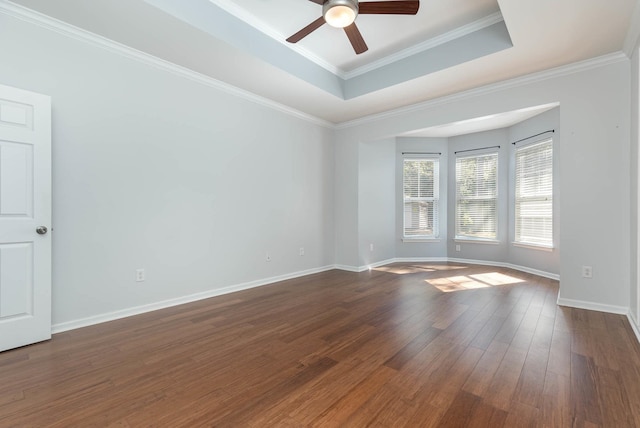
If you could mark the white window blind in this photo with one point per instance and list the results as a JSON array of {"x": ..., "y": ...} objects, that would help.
[
  {"x": 476, "y": 196},
  {"x": 534, "y": 194},
  {"x": 420, "y": 182}
]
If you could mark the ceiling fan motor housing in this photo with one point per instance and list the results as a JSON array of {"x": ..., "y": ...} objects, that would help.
[{"x": 340, "y": 13}]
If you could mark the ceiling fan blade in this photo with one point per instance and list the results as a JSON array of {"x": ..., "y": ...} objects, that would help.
[
  {"x": 389, "y": 7},
  {"x": 306, "y": 30},
  {"x": 318, "y": 1},
  {"x": 356, "y": 38}
]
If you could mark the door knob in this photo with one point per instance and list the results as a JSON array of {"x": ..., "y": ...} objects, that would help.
[{"x": 41, "y": 230}]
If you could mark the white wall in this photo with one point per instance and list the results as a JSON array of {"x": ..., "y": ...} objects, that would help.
[
  {"x": 376, "y": 201},
  {"x": 634, "y": 295},
  {"x": 593, "y": 169},
  {"x": 346, "y": 193},
  {"x": 594, "y": 177},
  {"x": 152, "y": 170}
]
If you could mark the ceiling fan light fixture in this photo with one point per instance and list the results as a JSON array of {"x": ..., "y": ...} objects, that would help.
[{"x": 340, "y": 13}]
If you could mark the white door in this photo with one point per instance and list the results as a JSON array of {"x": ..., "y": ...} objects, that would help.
[{"x": 25, "y": 217}]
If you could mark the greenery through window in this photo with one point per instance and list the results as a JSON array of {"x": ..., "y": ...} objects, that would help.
[
  {"x": 421, "y": 195},
  {"x": 477, "y": 196}
]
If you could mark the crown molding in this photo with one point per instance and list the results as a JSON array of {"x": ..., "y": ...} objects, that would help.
[
  {"x": 252, "y": 20},
  {"x": 49, "y": 23},
  {"x": 527, "y": 79},
  {"x": 426, "y": 45}
]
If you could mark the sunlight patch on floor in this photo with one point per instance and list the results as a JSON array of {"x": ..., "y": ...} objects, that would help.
[
  {"x": 495, "y": 278},
  {"x": 456, "y": 283},
  {"x": 471, "y": 282}
]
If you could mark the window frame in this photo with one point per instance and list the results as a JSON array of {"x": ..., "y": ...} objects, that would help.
[
  {"x": 519, "y": 242},
  {"x": 435, "y": 199},
  {"x": 458, "y": 236}
]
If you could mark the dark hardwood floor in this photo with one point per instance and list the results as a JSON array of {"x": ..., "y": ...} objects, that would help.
[{"x": 412, "y": 345}]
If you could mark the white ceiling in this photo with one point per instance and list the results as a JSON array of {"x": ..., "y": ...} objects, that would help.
[
  {"x": 240, "y": 42},
  {"x": 384, "y": 34}
]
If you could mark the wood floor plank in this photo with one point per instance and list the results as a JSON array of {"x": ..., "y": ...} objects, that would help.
[
  {"x": 505, "y": 380},
  {"x": 530, "y": 385},
  {"x": 484, "y": 416},
  {"x": 507, "y": 376},
  {"x": 377, "y": 408},
  {"x": 452, "y": 379},
  {"x": 337, "y": 413},
  {"x": 404, "y": 345},
  {"x": 559, "y": 361},
  {"x": 630, "y": 374},
  {"x": 479, "y": 380},
  {"x": 321, "y": 393},
  {"x": 410, "y": 350},
  {"x": 522, "y": 415},
  {"x": 614, "y": 401},
  {"x": 484, "y": 338},
  {"x": 461, "y": 410},
  {"x": 556, "y": 404},
  {"x": 585, "y": 404},
  {"x": 435, "y": 357},
  {"x": 270, "y": 397}
]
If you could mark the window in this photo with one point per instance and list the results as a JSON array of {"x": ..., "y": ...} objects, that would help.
[
  {"x": 476, "y": 196},
  {"x": 534, "y": 194},
  {"x": 420, "y": 181}
]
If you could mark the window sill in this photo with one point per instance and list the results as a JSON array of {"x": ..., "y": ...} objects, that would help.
[
  {"x": 428, "y": 240},
  {"x": 477, "y": 241},
  {"x": 533, "y": 246}
]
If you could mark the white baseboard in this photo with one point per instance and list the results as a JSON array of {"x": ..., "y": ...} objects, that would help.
[
  {"x": 449, "y": 259},
  {"x": 635, "y": 325},
  {"x": 420, "y": 260},
  {"x": 525, "y": 269},
  {"x": 364, "y": 268},
  {"x": 137, "y": 310},
  {"x": 377, "y": 264},
  {"x": 348, "y": 268},
  {"x": 592, "y": 306}
]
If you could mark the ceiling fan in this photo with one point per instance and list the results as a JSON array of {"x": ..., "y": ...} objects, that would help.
[{"x": 342, "y": 14}]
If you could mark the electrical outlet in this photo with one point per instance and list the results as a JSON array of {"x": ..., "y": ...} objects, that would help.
[
  {"x": 139, "y": 275},
  {"x": 301, "y": 251},
  {"x": 267, "y": 258},
  {"x": 457, "y": 247},
  {"x": 587, "y": 272},
  {"x": 370, "y": 247}
]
